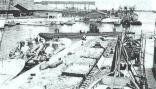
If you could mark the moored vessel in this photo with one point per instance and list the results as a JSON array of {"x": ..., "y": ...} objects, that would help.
[{"x": 69, "y": 23}]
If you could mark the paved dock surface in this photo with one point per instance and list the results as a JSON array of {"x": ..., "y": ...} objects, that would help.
[
  {"x": 150, "y": 79},
  {"x": 149, "y": 54},
  {"x": 16, "y": 83}
]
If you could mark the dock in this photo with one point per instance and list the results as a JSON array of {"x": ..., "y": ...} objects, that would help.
[
  {"x": 77, "y": 45},
  {"x": 149, "y": 61},
  {"x": 85, "y": 56}
]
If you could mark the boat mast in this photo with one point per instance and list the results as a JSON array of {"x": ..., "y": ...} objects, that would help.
[{"x": 3, "y": 31}]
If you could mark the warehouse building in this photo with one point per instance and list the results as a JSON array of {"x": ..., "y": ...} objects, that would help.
[{"x": 44, "y": 8}]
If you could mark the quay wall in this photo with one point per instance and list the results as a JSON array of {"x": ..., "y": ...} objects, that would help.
[
  {"x": 36, "y": 20},
  {"x": 149, "y": 53}
]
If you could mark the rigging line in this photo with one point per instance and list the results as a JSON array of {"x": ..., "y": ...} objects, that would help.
[
  {"x": 116, "y": 68},
  {"x": 133, "y": 77},
  {"x": 128, "y": 58},
  {"x": 117, "y": 63},
  {"x": 146, "y": 87},
  {"x": 115, "y": 71}
]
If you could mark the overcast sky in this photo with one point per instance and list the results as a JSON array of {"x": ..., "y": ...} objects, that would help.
[{"x": 108, "y": 4}]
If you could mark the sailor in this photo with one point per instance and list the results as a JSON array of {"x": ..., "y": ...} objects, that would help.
[
  {"x": 136, "y": 56},
  {"x": 39, "y": 56},
  {"x": 83, "y": 39},
  {"x": 30, "y": 44},
  {"x": 57, "y": 30},
  {"x": 40, "y": 39},
  {"x": 82, "y": 42},
  {"x": 21, "y": 44},
  {"x": 12, "y": 54},
  {"x": 111, "y": 51},
  {"x": 29, "y": 54},
  {"x": 49, "y": 51},
  {"x": 24, "y": 49},
  {"x": 36, "y": 40},
  {"x": 80, "y": 32},
  {"x": 17, "y": 54}
]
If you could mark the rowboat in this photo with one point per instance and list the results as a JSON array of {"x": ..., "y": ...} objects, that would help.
[
  {"x": 69, "y": 23},
  {"x": 10, "y": 23}
]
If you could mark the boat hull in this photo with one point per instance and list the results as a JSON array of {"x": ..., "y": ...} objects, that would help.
[
  {"x": 136, "y": 23},
  {"x": 75, "y": 35},
  {"x": 12, "y": 66}
]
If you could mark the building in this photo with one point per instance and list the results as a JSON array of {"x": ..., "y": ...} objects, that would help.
[
  {"x": 51, "y": 5},
  {"x": 46, "y": 14},
  {"x": 9, "y": 6},
  {"x": 29, "y": 7},
  {"x": 47, "y": 5},
  {"x": 96, "y": 14}
]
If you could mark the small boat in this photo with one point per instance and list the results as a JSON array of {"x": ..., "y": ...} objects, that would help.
[
  {"x": 125, "y": 23},
  {"x": 136, "y": 23},
  {"x": 52, "y": 23},
  {"x": 99, "y": 20},
  {"x": 117, "y": 24},
  {"x": 11, "y": 23},
  {"x": 61, "y": 23},
  {"x": 154, "y": 11},
  {"x": 56, "y": 23},
  {"x": 35, "y": 23},
  {"x": 111, "y": 20},
  {"x": 86, "y": 19},
  {"x": 69, "y": 23},
  {"x": 18, "y": 23},
  {"x": 39, "y": 52},
  {"x": 2, "y": 23}
]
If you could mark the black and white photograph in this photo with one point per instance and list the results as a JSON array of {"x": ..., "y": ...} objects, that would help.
[{"x": 77, "y": 44}]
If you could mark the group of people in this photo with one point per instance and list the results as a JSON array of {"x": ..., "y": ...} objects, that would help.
[{"x": 32, "y": 49}]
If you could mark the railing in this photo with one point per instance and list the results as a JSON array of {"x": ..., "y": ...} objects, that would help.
[{"x": 95, "y": 84}]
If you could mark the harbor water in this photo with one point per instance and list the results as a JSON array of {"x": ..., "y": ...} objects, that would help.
[{"x": 17, "y": 33}]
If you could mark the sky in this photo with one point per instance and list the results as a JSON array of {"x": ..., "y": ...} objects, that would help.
[{"x": 108, "y": 4}]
